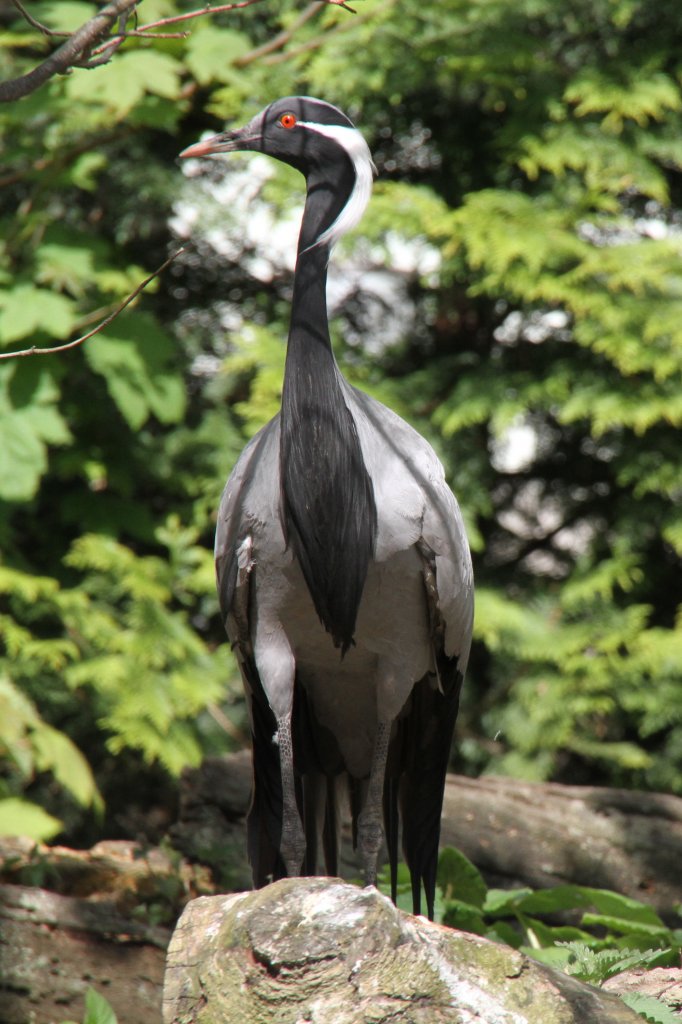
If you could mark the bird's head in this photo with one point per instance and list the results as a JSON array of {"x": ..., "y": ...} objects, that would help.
[{"x": 320, "y": 141}]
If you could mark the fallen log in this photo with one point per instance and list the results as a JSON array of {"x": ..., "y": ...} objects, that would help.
[
  {"x": 545, "y": 834},
  {"x": 517, "y": 833}
]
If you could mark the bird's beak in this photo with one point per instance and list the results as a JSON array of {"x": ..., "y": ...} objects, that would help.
[{"x": 226, "y": 142}]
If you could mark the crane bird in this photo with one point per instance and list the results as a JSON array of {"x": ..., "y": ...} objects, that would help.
[{"x": 343, "y": 568}]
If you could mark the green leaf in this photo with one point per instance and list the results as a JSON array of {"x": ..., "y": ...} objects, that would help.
[
  {"x": 63, "y": 15},
  {"x": 55, "y": 752},
  {"x": 503, "y": 902},
  {"x": 540, "y": 934},
  {"x": 641, "y": 97},
  {"x": 22, "y": 458},
  {"x": 554, "y": 900},
  {"x": 211, "y": 52},
  {"x": 651, "y": 1009},
  {"x": 29, "y": 421},
  {"x": 136, "y": 358},
  {"x": 66, "y": 267},
  {"x": 623, "y": 925},
  {"x": 623, "y": 908},
  {"x": 621, "y": 913},
  {"x": 119, "y": 85},
  {"x": 459, "y": 878},
  {"x": 86, "y": 169},
  {"x": 24, "y": 310},
  {"x": 22, "y": 818},
  {"x": 97, "y": 1009},
  {"x": 591, "y": 965},
  {"x": 554, "y": 956},
  {"x": 17, "y": 717},
  {"x": 464, "y": 916}
]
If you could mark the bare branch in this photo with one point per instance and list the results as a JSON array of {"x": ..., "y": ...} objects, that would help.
[
  {"x": 115, "y": 41},
  {"x": 315, "y": 44},
  {"x": 201, "y": 12},
  {"x": 282, "y": 38},
  {"x": 92, "y": 61},
  {"x": 35, "y": 351},
  {"x": 74, "y": 49}
]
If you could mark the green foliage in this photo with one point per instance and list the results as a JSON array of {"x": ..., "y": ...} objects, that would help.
[
  {"x": 613, "y": 933},
  {"x": 650, "y": 1009},
  {"x": 97, "y": 1009},
  {"x": 23, "y": 818},
  {"x": 127, "y": 642},
  {"x": 30, "y": 422},
  {"x": 29, "y": 746},
  {"x": 135, "y": 360}
]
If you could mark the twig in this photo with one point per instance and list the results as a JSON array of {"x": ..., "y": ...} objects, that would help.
[
  {"x": 35, "y": 351},
  {"x": 227, "y": 725},
  {"x": 120, "y": 37},
  {"x": 315, "y": 44},
  {"x": 282, "y": 38},
  {"x": 174, "y": 19},
  {"x": 35, "y": 23}
]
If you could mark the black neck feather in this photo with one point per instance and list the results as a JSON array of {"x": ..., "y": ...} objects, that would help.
[{"x": 327, "y": 497}]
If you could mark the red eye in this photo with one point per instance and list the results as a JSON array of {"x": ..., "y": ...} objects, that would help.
[{"x": 287, "y": 120}]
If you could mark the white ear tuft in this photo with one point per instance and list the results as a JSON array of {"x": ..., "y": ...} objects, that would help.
[{"x": 357, "y": 149}]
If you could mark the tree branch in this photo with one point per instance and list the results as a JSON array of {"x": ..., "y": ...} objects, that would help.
[
  {"x": 282, "y": 38},
  {"x": 175, "y": 19},
  {"x": 73, "y": 50},
  {"x": 79, "y": 51},
  {"x": 35, "y": 351}
]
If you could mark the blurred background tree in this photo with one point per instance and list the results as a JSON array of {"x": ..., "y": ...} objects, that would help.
[{"x": 515, "y": 290}]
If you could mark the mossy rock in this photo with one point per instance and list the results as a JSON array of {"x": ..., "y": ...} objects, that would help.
[{"x": 321, "y": 951}]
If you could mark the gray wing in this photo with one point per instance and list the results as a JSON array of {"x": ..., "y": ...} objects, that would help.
[
  {"x": 416, "y": 507},
  {"x": 237, "y": 513},
  {"x": 250, "y": 501}
]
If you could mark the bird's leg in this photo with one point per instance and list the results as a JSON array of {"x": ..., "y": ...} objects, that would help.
[
  {"x": 370, "y": 830},
  {"x": 292, "y": 844}
]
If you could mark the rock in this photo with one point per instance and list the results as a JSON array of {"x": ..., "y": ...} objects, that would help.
[
  {"x": 54, "y": 948},
  {"x": 664, "y": 983},
  {"x": 321, "y": 951}
]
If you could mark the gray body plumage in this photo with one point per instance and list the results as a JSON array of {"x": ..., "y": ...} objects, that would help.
[
  {"x": 393, "y": 646},
  {"x": 345, "y": 582}
]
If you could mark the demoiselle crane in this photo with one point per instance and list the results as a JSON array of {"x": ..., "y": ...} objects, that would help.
[{"x": 343, "y": 568}]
